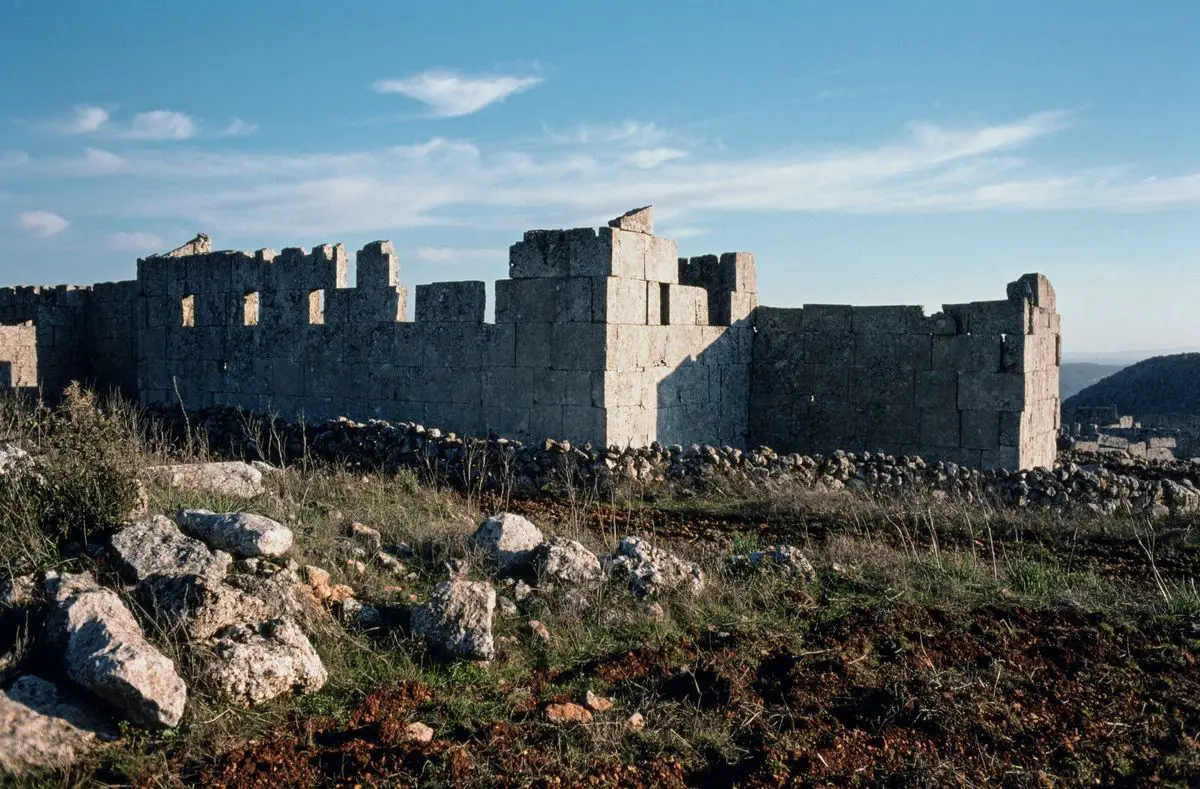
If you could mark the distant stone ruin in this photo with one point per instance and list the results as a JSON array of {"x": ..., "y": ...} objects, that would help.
[{"x": 603, "y": 336}]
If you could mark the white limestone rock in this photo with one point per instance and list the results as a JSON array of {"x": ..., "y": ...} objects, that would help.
[
  {"x": 243, "y": 534},
  {"x": 457, "y": 620},
  {"x": 18, "y": 592},
  {"x": 13, "y": 459},
  {"x": 156, "y": 547},
  {"x": 106, "y": 653},
  {"x": 508, "y": 539},
  {"x": 197, "y": 606},
  {"x": 651, "y": 571},
  {"x": 40, "y": 729},
  {"x": 785, "y": 558},
  {"x": 254, "y": 663},
  {"x": 228, "y": 478},
  {"x": 563, "y": 562}
]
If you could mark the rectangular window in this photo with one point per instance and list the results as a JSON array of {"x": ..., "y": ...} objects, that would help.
[
  {"x": 250, "y": 308},
  {"x": 187, "y": 306},
  {"x": 664, "y": 304},
  {"x": 316, "y": 307}
]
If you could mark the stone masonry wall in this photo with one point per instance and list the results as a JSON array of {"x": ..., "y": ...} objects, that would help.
[
  {"x": 975, "y": 384},
  {"x": 603, "y": 336}
]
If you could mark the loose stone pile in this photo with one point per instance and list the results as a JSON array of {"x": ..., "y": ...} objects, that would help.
[{"x": 1100, "y": 482}]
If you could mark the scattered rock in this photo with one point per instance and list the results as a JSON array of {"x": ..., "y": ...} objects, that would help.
[
  {"x": 356, "y": 566},
  {"x": 254, "y": 663},
  {"x": 507, "y": 607},
  {"x": 786, "y": 558},
  {"x": 106, "y": 653},
  {"x": 655, "y": 612},
  {"x": 416, "y": 732},
  {"x": 637, "y": 721},
  {"x": 597, "y": 703},
  {"x": 651, "y": 571},
  {"x": 371, "y": 539},
  {"x": 13, "y": 459},
  {"x": 40, "y": 729},
  {"x": 326, "y": 592},
  {"x": 522, "y": 591},
  {"x": 457, "y": 620},
  {"x": 539, "y": 630},
  {"x": 357, "y": 614},
  {"x": 230, "y": 478},
  {"x": 567, "y": 712},
  {"x": 156, "y": 547},
  {"x": 390, "y": 563},
  {"x": 560, "y": 561},
  {"x": 282, "y": 592},
  {"x": 508, "y": 540},
  {"x": 241, "y": 533},
  {"x": 198, "y": 606}
]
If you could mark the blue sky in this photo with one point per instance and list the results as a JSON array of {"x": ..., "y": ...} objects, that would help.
[{"x": 870, "y": 153}]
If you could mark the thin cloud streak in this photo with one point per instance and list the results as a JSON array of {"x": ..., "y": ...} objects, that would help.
[
  {"x": 449, "y": 94},
  {"x": 41, "y": 224},
  {"x": 447, "y": 182}
]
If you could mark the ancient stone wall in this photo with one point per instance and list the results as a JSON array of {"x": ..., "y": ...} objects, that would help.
[
  {"x": 603, "y": 336},
  {"x": 975, "y": 384}
]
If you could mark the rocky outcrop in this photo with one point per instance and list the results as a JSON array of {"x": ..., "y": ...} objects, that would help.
[
  {"x": 254, "y": 663},
  {"x": 457, "y": 620},
  {"x": 156, "y": 547},
  {"x": 105, "y": 652},
  {"x": 650, "y": 571},
  {"x": 40, "y": 729},
  {"x": 242, "y": 534},
  {"x": 508, "y": 540},
  {"x": 236, "y": 479}
]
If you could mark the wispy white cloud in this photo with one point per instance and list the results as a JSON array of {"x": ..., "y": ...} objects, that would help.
[
  {"x": 646, "y": 158},
  {"x": 238, "y": 128},
  {"x": 449, "y": 94},
  {"x": 133, "y": 242},
  {"x": 928, "y": 168},
  {"x": 160, "y": 125},
  {"x": 41, "y": 224},
  {"x": 455, "y": 255},
  {"x": 629, "y": 132},
  {"x": 83, "y": 120}
]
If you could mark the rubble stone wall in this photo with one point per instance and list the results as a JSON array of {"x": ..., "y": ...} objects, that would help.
[{"x": 976, "y": 384}]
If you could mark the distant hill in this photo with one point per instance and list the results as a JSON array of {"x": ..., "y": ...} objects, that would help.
[
  {"x": 1074, "y": 377},
  {"x": 1160, "y": 385}
]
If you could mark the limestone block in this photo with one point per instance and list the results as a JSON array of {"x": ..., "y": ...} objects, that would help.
[
  {"x": 152, "y": 275},
  {"x": 720, "y": 347},
  {"x": 998, "y": 317},
  {"x": 629, "y": 426},
  {"x": 584, "y": 424},
  {"x": 936, "y": 388},
  {"x": 914, "y": 352},
  {"x": 510, "y": 387},
  {"x": 991, "y": 391},
  {"x": 779, "y": 335},
  {"x": 828, "y": 347},
  {"x": 738, "y": 272},
  {"x": 967, "y": 353},
  {"x": 881, "y": 320},
  {"x": 459, "y": 344},
  {"x": 639, "y": 220},
  {"x": 451, "y": 301},
  {"x": 546, "y": 420},
  {"x": 629, "y": 252},
  {"x": 1000, "y": 457},
  {"x": 662, "y": 257},
  {"x": 506, "y": 421},
  {"x": 568, "y": 387},
  {"x": 618, "y": 300},
  {"x": 377, "y": 267},
  {"x": 874, "y": 349},
  {"x": 940, "y": 427},
  {"x": 533, "y": 344},
  {"x": 652, "y": 345},
  {"x": 883, "y": 385},
  {"x": 578, "y": 346},
  {"x": 980, "y": 429},
  {"x": 623, "y": 347},
  {"x": 686, "y": 306},
  {"x": 1010, "y": 429},
  {"x": 548, "y": 299},
  {"x": 622, "y": 389},
  {"x": 1034, "y": 288},
  {"x": 827, "y": 318}
]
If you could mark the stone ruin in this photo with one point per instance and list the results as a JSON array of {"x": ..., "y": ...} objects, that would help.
[{"x": 603, "y": 336}]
